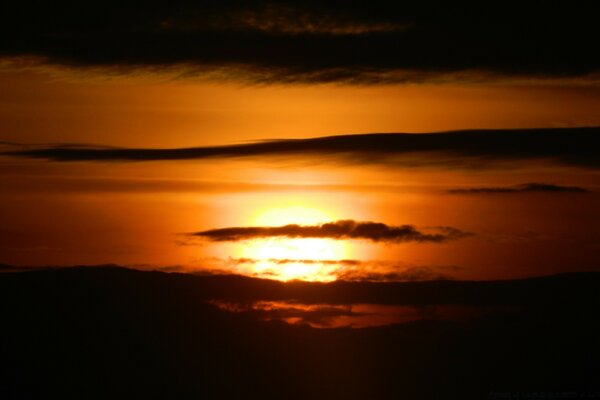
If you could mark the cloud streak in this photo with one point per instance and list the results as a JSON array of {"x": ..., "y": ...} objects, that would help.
[
  {"x": 463, "y": 149},
  {"x": 327, "y": 270},
  {"x": 284, "y": 261},
  {"x": 293, "y": 41},
  {"x": 522, "y": 188},
  {"x": 339, "y": 230},
  {"x": 346, "y": 315}
]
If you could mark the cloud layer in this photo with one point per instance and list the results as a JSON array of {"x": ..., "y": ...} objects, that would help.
[
  {"x": 522, "y": 188},
  {"x": 306, "y": 41},
  {"x": 345, "y": 229},
  {"x": 343, "y": 269},
  {"x": 465, "y": 149}
]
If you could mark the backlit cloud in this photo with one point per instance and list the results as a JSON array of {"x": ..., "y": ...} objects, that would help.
[
  {"x": 344, "y": 229},
  {"x": 522, "y": 188},
  {"x": 461, "y": 149}
]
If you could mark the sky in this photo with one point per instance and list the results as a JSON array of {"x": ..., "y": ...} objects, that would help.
[{"x": 301, "y": 140}]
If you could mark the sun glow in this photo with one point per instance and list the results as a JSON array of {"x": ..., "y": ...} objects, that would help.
[
  {"x": 310, "y": 259},
  {"x": 292, "y": 214}
]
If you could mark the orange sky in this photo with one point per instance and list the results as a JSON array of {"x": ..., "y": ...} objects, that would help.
[
  {"x": 135, "y": 213},
  {"x": 146, "y": 111}
]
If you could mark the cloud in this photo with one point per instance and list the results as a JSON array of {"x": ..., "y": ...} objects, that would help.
[
  {"x": 344, "y": 229},
  {"x": 327, "y": 270},
  {"x": 462, "y": 149},
  {"x": 522, "y": 188},
  {"x": 347, "y": 315},
  {"x": 298, "y": 41},
  {"x": 340, "y": 270},
  {"x": 319, "y": 315},
  {"x": 283, "y": 261},
  {"x": 378, "y": 272}
]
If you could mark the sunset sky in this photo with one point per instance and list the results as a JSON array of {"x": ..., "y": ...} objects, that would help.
[
  {"x": 235, "y": 137},
  {"x": 316, "y": 199}
]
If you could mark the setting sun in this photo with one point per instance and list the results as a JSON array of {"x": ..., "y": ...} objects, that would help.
[
  {"x": 289, "y": 259},
  {"x": 311, "y": 259}
]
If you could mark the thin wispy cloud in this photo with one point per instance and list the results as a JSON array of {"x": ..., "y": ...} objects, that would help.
[
  {"x": 377, "y": 272},
  {"x": 522, "y": 188},
  {"x": 339, "y": 230},
  {"x": 350, "y": 269},
  {"x": 284, "y": 261}
]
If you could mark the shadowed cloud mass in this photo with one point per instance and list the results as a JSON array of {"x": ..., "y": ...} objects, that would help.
[
  {"x": 344, "y": 316},
  {"x": 344, "y": 229},
  {"x": 161, "y": 335},
  {"x": 307, "y": 41},
  {"x": 464, "y": 149}
]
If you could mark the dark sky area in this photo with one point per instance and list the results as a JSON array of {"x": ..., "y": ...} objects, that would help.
[{"x": 311, "y": 41}]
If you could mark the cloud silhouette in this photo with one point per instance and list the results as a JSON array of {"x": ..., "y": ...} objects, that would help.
[
  {"x": 371, "y": 272},
  {"x": 297, "y": 41},
  {"x": 522, "y": 188},
  {"x": 464, "y": 149},
  {"x": 344, "y": 229},
  {"x": 348, "y": 315}
]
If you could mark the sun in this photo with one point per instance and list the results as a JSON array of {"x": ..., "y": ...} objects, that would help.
[
  {"x": 294, "y": 259},
  {"x": 310, "y": 259}
]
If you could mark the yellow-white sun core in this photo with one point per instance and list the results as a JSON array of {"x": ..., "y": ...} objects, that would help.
[{"x": 311, "y": 259}]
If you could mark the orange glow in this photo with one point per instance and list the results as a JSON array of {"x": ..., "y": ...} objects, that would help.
[
  {"x": 136, "y": 213},
  {"x": 293, "y": 213},
  {"x": 130, "y": 111},
  {"x": 292, "y": 259}
]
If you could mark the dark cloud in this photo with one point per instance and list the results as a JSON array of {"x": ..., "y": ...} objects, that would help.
[
  {"x": 523, "y": 188},
  {"x": 317, "y": 315},
  {"x": 154, "y": 336},
  {"x": 410, "y": 274},
  {"x": 308, "y": 41},
  {"x": 8, "y": 268},
  {"x": 464, "y": 149},
  {"x": 347, "y": 315},
  {"x": 246, "y": 289},
  {"x": 345, "y": 229}
]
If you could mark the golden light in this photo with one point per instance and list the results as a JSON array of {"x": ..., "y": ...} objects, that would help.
[
  {"x": 292, "y": 214},
  {"x": 310, "y": 259}
]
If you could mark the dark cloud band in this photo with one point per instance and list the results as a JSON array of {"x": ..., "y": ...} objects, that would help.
[
  {"x": 523, "y": 188},
  {"x": 345, "y": 229},
  {"x": 466, "y": 149},
  {"x": 307, "y": 41}
]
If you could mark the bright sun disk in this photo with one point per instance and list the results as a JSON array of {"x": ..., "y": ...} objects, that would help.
[{"x": 294, "y": 258}]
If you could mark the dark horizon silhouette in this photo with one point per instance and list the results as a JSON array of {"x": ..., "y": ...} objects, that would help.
[{"x": 101, "y": 332}]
